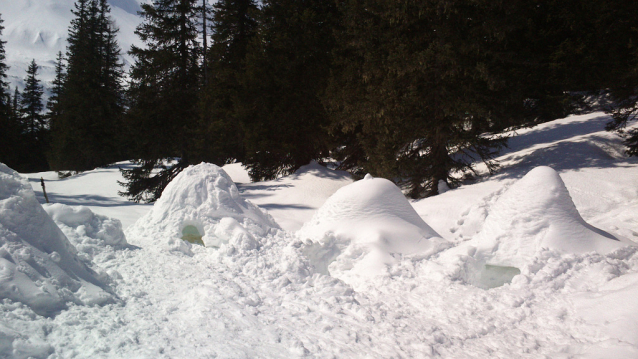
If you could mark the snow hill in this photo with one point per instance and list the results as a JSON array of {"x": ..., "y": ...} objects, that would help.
[
  {"x": 537, "y": 261},
  {"x": 37, "y": 29}
]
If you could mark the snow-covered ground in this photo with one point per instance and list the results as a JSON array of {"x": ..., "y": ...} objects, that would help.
[{"x": 536, "y": 261}]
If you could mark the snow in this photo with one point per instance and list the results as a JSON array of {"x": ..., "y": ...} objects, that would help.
[
  {"x": 97, "y": 190},
  {"x": 39, "y": 266},
  {"x": 537, "y": 213},
  {"x": 300, "y": 194},
  {"x": 362, "y": 227},
  {"x": 523, "y": 264},
  {"x": 204, "y": 198}
]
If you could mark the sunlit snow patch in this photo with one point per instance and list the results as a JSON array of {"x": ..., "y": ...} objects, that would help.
[
  {"x": 535, "y": 213},
  {"x": 365, "y": 226},
  {"x": 38, "y": 265},
  {"x": 202, "y": 205}
]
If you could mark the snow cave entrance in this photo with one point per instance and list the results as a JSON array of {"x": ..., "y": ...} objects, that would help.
[
  {"x": 493, "y": 276},
  {"x": 191, "y": 234}
]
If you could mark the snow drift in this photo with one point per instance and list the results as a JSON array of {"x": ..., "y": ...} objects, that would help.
[
  {"x": 203, "y": 204},
  {"x": 365, "y": 226},
  {"x": 38, "y": 265}
]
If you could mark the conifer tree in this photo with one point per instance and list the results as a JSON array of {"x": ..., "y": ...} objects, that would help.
[
  {"x": 615, "y": 44},
  {"x": 16, "y": 112},
  {"x": 31, "y": 103},
  {"x": 35, "y": 132},
  {"x": 163, "y": 95},
  {"x": 9, "y": 131},
  {"x": 233, "y": 26},
  {"x": 418, "y": 89},
  {"x": 287, "y": 67},
  {"x": 91, "y": 105},
  {"x": 13, "y": 151},
  {"x": 3, "y": 70},
  {"x": 53, "y": 104}
]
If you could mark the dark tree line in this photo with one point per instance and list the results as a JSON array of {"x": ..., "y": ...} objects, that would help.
[{"x": 414, "y": 91}]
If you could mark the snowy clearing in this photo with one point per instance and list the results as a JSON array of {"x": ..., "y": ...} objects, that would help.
[{"x": 533, "y": 262}]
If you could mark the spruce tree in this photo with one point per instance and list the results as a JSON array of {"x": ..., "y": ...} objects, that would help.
[
  {"x": 419, "y": 91},
  {"x": 233, "y": 26},
  {"x": 615, "y": 41},
  {"x": 91, "y": 102},
  {"x": 163, "y": 95},
  {"x": 53, "y": 104},
  {"x": 9, "y": 132},
  {"x": 286, "y": 72},
  {"x": 31, "y": 103},
  {"x": 3, "y": 70},
  {"x": 35, "y": 129},
  {"x": 16, "y": 113}
]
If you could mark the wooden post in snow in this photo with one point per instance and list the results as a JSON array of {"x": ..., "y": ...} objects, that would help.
[{"x": 44, "y": 190}]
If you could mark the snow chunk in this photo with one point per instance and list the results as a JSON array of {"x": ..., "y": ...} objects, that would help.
[
  {"x": 204, "y": 197},
  {"x": 38, "y": 265},
  {"x": 537, "y": 212},
  {"x": 95, "y": 237},
  {"x": 365, "y": 226},
  {"x": 99, "y": 230}
]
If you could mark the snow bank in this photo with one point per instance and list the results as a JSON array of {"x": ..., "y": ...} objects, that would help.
[
  {"x": 38, "y": 265},
  {"x": 365, "y": 226},
  {"x": 203, "y": 204}
]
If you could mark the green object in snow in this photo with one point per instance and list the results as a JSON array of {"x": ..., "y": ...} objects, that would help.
[{"x": 191, "y": 234}]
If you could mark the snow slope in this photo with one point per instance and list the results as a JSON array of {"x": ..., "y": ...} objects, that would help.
[
  {"x": 274, "y": 300},
  {"x": 96, "y": 190}
]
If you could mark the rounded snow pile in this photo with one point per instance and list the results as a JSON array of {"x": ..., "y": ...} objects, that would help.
[
  {"x": 365, "y": 226},
  {"x": 537, "y": 212},
  {"x": 38, "y": 265},
  {"x": 203, "y": 202}
]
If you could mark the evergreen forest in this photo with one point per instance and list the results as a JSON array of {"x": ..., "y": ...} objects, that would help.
[{"x": 416, "y": 91}]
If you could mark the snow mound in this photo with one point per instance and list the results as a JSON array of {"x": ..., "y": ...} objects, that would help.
[
  {"x": 537, "y": 213},
  {"x": 38, "y": 265},
  {"x": 365, "y": 226},
  {"x": 95, "y": 237},
  {"x": 84, "y": 223},
  {"x": 202, "y": 204}
]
